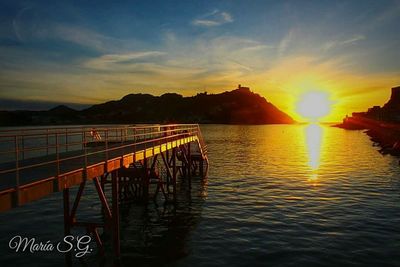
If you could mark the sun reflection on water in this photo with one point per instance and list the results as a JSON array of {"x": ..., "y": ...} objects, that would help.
[{"x": 313, "y": 134}]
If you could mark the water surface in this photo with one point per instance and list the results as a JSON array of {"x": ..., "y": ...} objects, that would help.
[{"x": 276, "y": 195}]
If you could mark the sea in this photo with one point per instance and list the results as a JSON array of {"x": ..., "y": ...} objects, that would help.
[{"x": 274, "y": 195}]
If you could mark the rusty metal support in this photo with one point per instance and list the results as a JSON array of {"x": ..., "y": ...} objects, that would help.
[
  {"x": 189, "y": 159},
  {"x": 70, "y": 219},
  {"x": 146, "y": 182},
  {"x": 153, "y": 164},
  {"x": 169, "y": 174},
  {"x": 184, "y": 160},
  {"x": 103, "y": 200},
  {"x": 77, "y": 200},
  {"x": 201, "y": 167},
  {"x": 98, "y": 240},
  {"x": 115, "y": 217},
  {"x": 174, "y": 173}
]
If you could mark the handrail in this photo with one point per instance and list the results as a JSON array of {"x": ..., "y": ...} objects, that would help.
[
  {"x": 202, "y": 144},
  {"x": 89, "y": 126},
  {"x": 101, "y": 132},
  {"x": 50, "y": 145}
]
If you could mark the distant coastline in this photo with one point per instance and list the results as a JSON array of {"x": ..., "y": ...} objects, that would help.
[
  {"x": 239, "y": 106},
  {"x": 382, "y": 124}
]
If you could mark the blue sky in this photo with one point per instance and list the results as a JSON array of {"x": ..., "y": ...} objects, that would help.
[{"x": 86, "y": 52}]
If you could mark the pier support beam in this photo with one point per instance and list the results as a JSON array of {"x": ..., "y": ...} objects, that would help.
[
  {"x": 168, "y": 170},
  {"x": 76, "y": 202},
  {"x": 201, "y": 168},
  {"x": 189, "y": 159},
  {"x": 174, "y": 173},
  {"x": 133, "y": 182},
  {"x": 146, "y": 182},
  {"x": 115, "y": 217}
]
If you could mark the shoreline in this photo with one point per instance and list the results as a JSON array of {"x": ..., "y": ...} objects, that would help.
[{"x": 384, "y": 134}]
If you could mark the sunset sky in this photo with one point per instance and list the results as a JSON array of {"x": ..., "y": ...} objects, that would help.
[{"x": 86, "y": 52}]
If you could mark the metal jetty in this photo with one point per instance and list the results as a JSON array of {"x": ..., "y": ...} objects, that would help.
[{"x": 132, "y": 160}]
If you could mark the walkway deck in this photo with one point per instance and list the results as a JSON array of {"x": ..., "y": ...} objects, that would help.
[{"x": 48, "y": 160}]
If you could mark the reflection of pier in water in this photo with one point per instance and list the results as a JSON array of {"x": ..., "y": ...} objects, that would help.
[
  {"x": 135, "y": 163},
  {"x": 158, "y": 233}
]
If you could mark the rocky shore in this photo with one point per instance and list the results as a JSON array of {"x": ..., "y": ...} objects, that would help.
[
  {"x": 383, "y": 134},
  {"x": 382, "y": 124}
]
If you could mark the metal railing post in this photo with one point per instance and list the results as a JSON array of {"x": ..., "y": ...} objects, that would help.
[
  {"x": 83, "y": 138},
  {"x": 16, "y": 170},
  {"x": 57, "y": 155},
  {"x": 47, "y": 142},
  {"x": 134, "y": 140},
  {"x": 152, "y": 137},
  {"x": 23, "y": 144},
  {"x": 106, "y": 141},
  {"x": 85, "y": 148},
  {"x": 66, "y": 139},
  {"x": 145, "y": 141}
]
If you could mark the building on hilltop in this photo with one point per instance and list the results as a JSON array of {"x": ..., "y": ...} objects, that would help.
[
  {"x": 243, "y": 89},
  {"x": 375, "y": 113}
]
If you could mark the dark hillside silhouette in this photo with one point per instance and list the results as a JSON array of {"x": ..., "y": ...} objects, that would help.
[{"x": 240, "y": 106}]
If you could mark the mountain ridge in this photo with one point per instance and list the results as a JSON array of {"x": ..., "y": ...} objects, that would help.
[{"x": 239, "y": 106}]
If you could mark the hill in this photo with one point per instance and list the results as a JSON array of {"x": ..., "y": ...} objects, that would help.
[{"x": 240, "y": 106}]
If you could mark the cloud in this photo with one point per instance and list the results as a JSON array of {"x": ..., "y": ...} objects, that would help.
[
  {"x": 199, "y": 57},
  {"x": 80, "y": 36},
  {"x": 30, "y": 25},
  {"x": 226, "y": 17},
  {"x": 284, "y": 43},
  {"x": 211, "y": 64},
  {"x": 26, "y": 31},
  {"x": 16, "y": 23},
  {"x": 350, "y": 41},
  {"x": 354, "y": 39},
  {"x": 108, "y": 61},
  {"x": 214, "y": 18}
]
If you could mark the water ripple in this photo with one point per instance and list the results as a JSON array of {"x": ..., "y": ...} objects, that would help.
[{"x": 268, "y": 202}]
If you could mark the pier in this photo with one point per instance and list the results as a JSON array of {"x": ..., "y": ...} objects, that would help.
[{"x": 128, "y": 163}]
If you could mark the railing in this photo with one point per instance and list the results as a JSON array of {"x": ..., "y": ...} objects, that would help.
[
  {"x": 203, "y": 146},
  {"x": 29, "y": 149}
]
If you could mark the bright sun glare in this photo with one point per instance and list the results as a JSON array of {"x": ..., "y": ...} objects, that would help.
[{"x": 314, "y": 105}]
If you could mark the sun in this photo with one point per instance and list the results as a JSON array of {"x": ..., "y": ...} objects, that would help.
[{"x": 313, "y": 106}]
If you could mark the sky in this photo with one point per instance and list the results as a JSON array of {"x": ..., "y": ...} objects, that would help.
[{"x": 86, "y": 52}]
